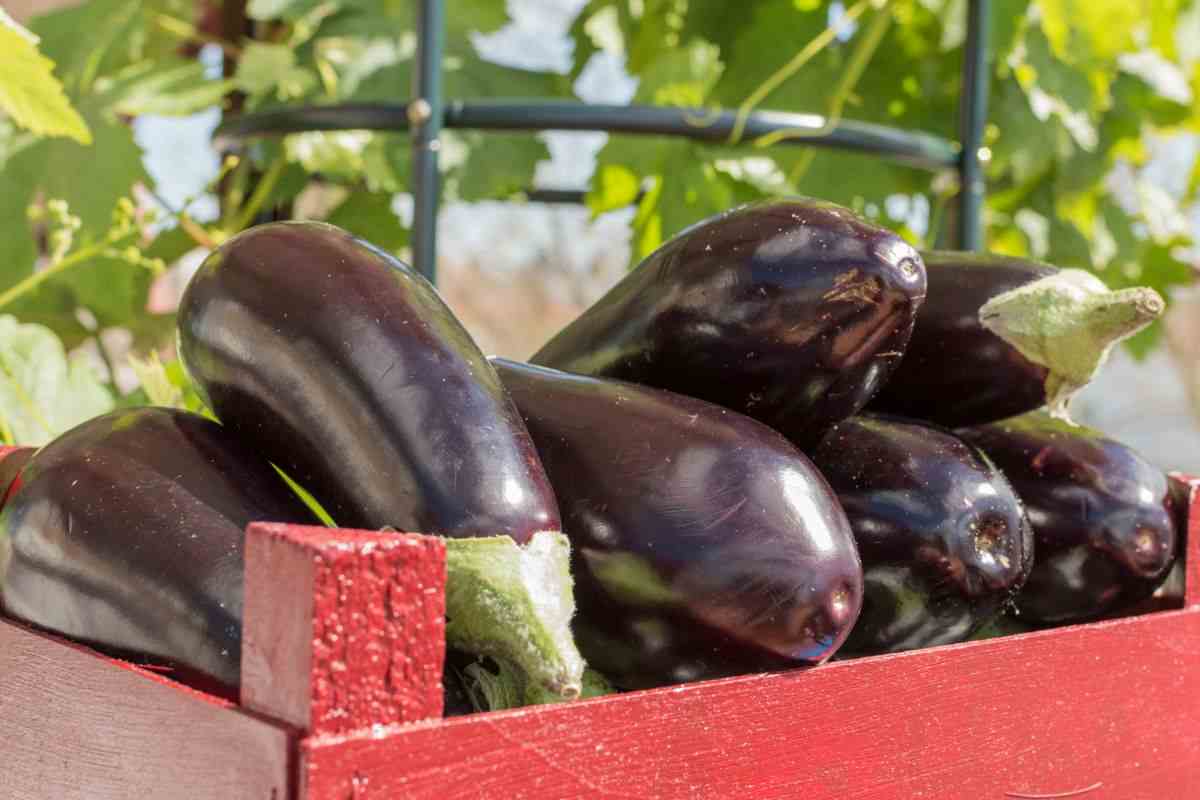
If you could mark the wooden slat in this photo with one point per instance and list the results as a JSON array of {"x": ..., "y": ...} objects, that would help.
[
  {"x": 343, "y": 630},
  {"x": 1107, "y": 711},
  {"x": 1191, "y": 594},
  {"x": 77, "y": 726},
  {"x": 1112, "y": 705}
]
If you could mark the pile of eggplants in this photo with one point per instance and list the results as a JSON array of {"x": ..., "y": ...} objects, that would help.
[{"x": 786, "y": 436}]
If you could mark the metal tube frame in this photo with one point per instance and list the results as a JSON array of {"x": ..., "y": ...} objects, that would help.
[{"x": 428, "y": 113}]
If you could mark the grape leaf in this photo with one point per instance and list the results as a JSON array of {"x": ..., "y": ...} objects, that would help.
[
  {"x": 42, "y": 393},
  {"x": 172, "y": 87},
  {"x": 91, "y": 180},
  {"x": 171, "y": 245},
  {"x": 271, "y": 69},
  {"x": 499, "y": 165},
  {"x": 614, "y": 186},
  {"x": 471, "y": 77},
  {"x": 681, "y": 77},
  {"x": 370, "y": 216},
  {"x": 280, "y": 9},
  {"x": 107, "y": 23},
  {"x": 31, "y": 95},
  {"x": 777, "y": 30},
  {"x": 387, "y": 160}
]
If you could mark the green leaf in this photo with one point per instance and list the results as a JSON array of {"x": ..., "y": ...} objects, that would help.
[
  {"x": 1080, "y": 29},
  {"x": 91, "y": 180},
  {"x": 271, "y": 69},
  {"x": 173, "y": 87},
  {"x": 370, "y": 216},
  {"x": 387, "y": 160},
  {"x": 279, "y": 9},
  {"x": 332, "y": 153},
  {"x": 614, "y": 186},
  {"x": 100, "y": 37},
  {"x": 86, "y": 40},
  {"x": 31, "y": 95},
  {"x": 42, "y": 393},
  {"x": 499, "y": 165},
  {"x": 471, "y": 77},
  {"x": 777, "y": 30},
  {"x": 168, "y": 384},
  {"x": 171, "y": 245},
  {"x": 682, "y": 76}
]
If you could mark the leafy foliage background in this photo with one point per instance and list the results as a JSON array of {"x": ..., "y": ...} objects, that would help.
[{"x": 1077, "y": 87}]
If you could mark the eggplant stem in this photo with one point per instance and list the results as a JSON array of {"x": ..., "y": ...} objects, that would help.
[
  {"x": 1068, "y": 323},
  {"x": 514, "y": 604}
]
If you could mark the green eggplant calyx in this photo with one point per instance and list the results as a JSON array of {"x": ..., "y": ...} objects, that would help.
[
  {"x": 505, "y": 688},
  {"x": 514, "y": 604},
  {"x": 1068, "y": 323}
]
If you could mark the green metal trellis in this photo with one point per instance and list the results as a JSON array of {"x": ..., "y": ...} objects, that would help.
[{"x": 428, "y": 112}]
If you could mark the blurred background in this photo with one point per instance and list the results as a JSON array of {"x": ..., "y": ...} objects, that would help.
[{"x": 1092, "y": 146}]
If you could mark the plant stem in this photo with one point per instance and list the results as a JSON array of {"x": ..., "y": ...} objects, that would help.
[
  {"x": 196, "y": 231},
  {"x": 186, "y": 30},
  {"x": 261, "y": 192},
  {"x": 806, "y": 54},
  {"x": 852, "y": 74},
  {"x": 31, "y": 282},
  {"x": 514, "y": 603}
]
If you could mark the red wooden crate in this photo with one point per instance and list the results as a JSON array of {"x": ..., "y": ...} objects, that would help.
[{"x": 341, "y": 700}]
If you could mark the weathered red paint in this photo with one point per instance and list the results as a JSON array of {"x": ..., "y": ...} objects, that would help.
[
  {"x": 1106, "y": 711},
  {"x": 1115, "y": 703},
  {"x": 78, "y": 726},
  {"x": 343, "y": 629},
  {"x": 1191, "y": 586}
]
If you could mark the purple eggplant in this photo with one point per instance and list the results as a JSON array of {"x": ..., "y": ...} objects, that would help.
[
  {"x": 703, "y": 543},
  {"x": 1058, "y": 326},
  {"x": 1102, "y": 516},
  {"x": 11, "y": 465},
  {"x": 943, "y": 539},
  {"x": 955, "y": 371},
  {"x": 345, "y": 368},
  {"x": 793, "y": 312},
  {"x": 127, "y": 533}
]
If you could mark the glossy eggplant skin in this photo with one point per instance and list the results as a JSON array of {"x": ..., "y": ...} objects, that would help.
[
  {"x": 703, "y": 543},
  {"x": 10, "y": 466},
  {"x": 793, "y": 312},
  {"x": 1103, "y": 518},
  {"x": 127, "y": 533},
  {"x": 347, "y": 370},
  {"x": 943, "y": 538},
  {"x": 956, "y": 372}
]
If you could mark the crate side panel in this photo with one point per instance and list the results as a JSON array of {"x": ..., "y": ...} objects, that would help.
[
  {"x": 1108, "y": 711},
  {"x": 77, "y": 726}
]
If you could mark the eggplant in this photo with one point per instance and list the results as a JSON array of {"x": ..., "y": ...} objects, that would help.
[
  {"x": 1103, "y": 517},
  {"x": 11, "y": 465},
  {"x": 1171, "y": 593},
  {"x": 703, "y": 543},
  {"x": 793, "y": 312},
  {"x": 127, "y": 533},
  {"x": 943, "y": 538},
  {"x": 345, "y": 368},
  {"x": 999, "y": 336}
]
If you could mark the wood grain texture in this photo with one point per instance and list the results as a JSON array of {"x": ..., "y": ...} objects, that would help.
[
  {"x": 1107, "y": 710},
  {"x": 343, "y": 629},
  {"x": 1114, "y": 704},
  {"x": 1191, "y": 593},
  {"x": 78, "y": 726}
]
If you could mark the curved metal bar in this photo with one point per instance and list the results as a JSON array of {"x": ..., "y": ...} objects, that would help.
[{"x": 913, "y": 148}]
